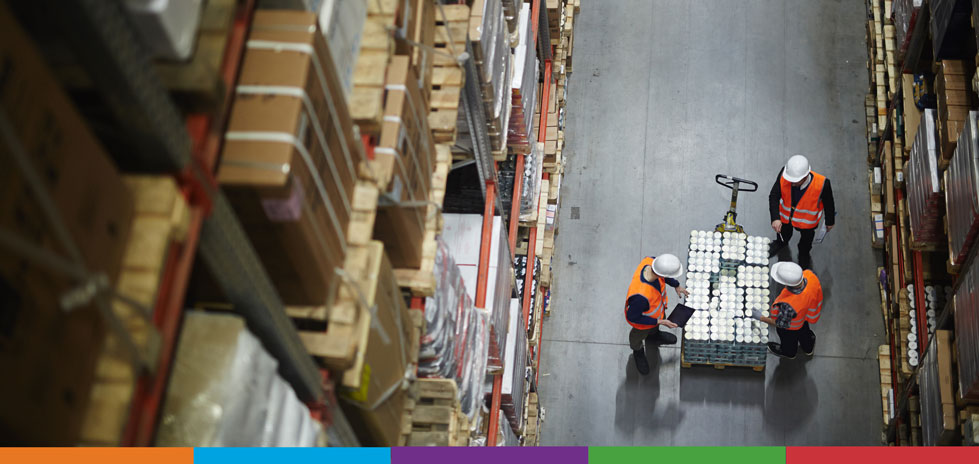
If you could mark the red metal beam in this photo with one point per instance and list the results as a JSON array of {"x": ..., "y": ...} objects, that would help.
[
  {"x": 484, "y": 246},
  {"x": 534, "y": 20},
  {"x": 206, "y": 131},
  {"x": 515, "y": 207},
  {"x": 494, "y": 418}
]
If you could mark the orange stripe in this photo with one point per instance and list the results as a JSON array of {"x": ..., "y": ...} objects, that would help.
[{"x": 97, "y": 455}]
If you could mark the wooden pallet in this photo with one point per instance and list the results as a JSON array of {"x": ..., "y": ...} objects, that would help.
[
  {"x": 532, "y": 419},
  {"x": 433, "y": 416},
  {"x": 448, "y": 78},
  {"x": 160, "y": 221},
  {"x": 366, "y": 99},
  {"x": 421, "y": 281},
  {"x": 884, "y": 362},
  {"x": 720, "y": 366}
]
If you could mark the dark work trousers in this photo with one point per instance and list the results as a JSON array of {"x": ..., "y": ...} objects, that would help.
[
  {"x": 805, "y": 240},
  {"x": 791, "y": 340}
]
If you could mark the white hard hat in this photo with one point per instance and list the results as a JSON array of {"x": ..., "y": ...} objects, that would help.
[
  {"x": 667, "y": 266},
  {"x": 796, "y": 168},
  {"x": 787, "y": 273}
]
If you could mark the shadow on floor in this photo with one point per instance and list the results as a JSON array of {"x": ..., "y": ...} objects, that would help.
[
  {"x": 738, "y": 385},
  {"x": 637, "y": 395},
  {"x": 791, "y": 396}
]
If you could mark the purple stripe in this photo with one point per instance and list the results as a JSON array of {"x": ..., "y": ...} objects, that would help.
[{"x": 485, "y": 455}]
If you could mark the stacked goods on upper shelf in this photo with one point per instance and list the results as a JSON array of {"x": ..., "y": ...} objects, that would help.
[
  {"x": 448, "y": 78},
  {"x": 938, "y": 420},
  {"x": 952, "y": 88},
  {"x": 878, "y": 68},
  {"x": 966, "y": 303},
  {"x": 343, "y": 25},
  {"x": 224, "y": 391},
  {"x": 950, "y": 28},
  {"x": 410, "y": 19},
  {"x": 462, "y": 236},
  {"x": 530, "y": 189},
  {"x": 886, "y": 386},
  {"x": 554, "y": 135},
  {"x": 905, "y": 17},
  {"x": 49, "y": 351},
  {"x": 454, "y": 345},
  {"x": 962, "y": 193},
  {"x": 526, "y": 71},
  {"x": 555, "y": 19},
  {"x": 514, "y": 369},
  {"x": 491, "y": 49},
  {"x": 375, "y": 407},
  {"x": 924, "y": 190},
  {"x": 290, "y": 160},
  {"x": 405, "y": 160}
]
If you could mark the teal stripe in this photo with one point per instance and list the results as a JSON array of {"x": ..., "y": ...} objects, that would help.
[
  {"x": 288, "y": 455},
  {"x": 686, "y": 455}
]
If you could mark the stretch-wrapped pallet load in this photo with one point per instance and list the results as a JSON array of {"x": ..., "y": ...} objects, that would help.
[
  {"x": 342, "y": 23},
  {"x": 290, "y": 158},
  {"x": 938, "y": 419},
  {"x": 454, "y": 345},
  {"x": 491, "y": 46},
  {"x": 224, "y": 391},
  {"x": 905, "y": 17},
  {"x": 526, "y": 70},
  {"x": 924, "y": 189},
  {"x": 462, "y": 233},
  {"x": 967, "y": 334},
  {"x": 514, "y": 370},
  {"x": 530, "y": 188},
  {"x": 962, "y": 192}
]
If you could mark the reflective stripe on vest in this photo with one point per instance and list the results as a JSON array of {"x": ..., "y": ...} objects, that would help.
[
  {"x": 809, "y": 210},
  {"x": 657, "y": 300},
  {"x": 808, "y": 305}
]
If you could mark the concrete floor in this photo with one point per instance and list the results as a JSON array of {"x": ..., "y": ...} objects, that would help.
[{"x": 665, "y": 94}]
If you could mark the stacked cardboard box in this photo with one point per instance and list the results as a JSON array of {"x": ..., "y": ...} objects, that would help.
[
  {"x": 50, "y": 353},
  {"x": 905, "y": 17},
  {"x": 374, "y": 409},
  {"x": 291, "y": 160},
  {"x": 952, "y": 87},
  {"x": 405, "y": 161}
]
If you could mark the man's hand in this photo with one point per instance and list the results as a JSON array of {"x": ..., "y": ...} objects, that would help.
[
  {"x": 668, "y": 324},
  {"x": 756, "y": 314},
  {"x": 777, "y": 226},
  {"x": 681, "y": 291},
  {"x": 829, "y": 228}
]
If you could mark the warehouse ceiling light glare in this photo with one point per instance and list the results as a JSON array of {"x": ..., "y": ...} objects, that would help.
[
  {"x": 796, "y": 168},
  {"x": 667, "y": 266}
]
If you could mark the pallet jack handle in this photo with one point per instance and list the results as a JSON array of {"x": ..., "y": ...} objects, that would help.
[{"x": 733, "y": 183}]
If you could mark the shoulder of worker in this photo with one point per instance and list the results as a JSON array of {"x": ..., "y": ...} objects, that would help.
[{"x": 652, "y": 280}]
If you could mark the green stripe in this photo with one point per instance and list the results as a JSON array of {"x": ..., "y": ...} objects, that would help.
[{"x": 686, "y": 455}]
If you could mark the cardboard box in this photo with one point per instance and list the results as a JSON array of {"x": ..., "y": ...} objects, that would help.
[
  {"x": 406, "y": 151},
  {"x": 379, "y": 402},
  {"x": 290, "y": 159},
  {"x": 944, "y": 345},
  {"x": 50, "y": 354}
]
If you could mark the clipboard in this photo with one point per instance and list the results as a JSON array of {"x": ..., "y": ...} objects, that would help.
[{"x": 681, "y": 314}]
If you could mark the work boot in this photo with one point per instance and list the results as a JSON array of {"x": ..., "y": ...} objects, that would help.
[
  {"x": 776, "y": 349},
  {"x": 775, "y": 247},
  {"x": 658, "y": 337},
  {"x": 805, "y": 261},
  {"x": 642, "y": 365}
]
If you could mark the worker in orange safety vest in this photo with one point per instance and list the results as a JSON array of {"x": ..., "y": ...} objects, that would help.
[
  {"x": 799, "y": 199},
  {"x": 645, "y": 306},
  {"x": 798, "y": 306}
]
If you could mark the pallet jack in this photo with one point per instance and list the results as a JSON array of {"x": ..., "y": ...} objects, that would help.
[{"x": 734, "y": 183}]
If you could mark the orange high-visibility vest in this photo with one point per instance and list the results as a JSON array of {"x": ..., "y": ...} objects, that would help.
[
  {"x": 807, "y": 305},
  {"x": 657, "y": 299},
  {"x": 809, "y": 210}
]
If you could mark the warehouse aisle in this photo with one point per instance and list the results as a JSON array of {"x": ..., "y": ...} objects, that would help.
[{"x": 664, "y": 95}]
